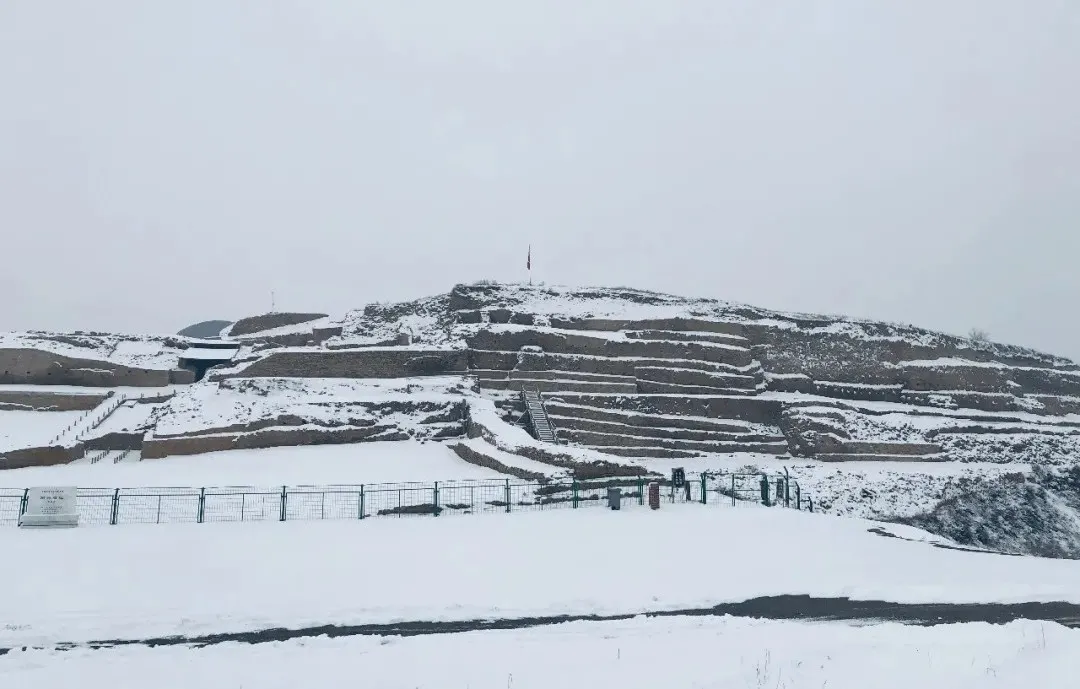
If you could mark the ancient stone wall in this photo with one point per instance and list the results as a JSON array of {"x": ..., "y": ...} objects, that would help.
[
  {"x": 155, "y": 448},
  {"x": 39, "y": 456},
  {"x": 116, "y": 441},
  {"x": 37, "y": 367},
  {"x": 269, "y": 321},
  {"x": 359, "y": 363},
  {"x": 753, "y": 409},
  {"x": 48, "y": 401}
]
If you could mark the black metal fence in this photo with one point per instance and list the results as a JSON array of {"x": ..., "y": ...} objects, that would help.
[{"x": 104, "y": 506}]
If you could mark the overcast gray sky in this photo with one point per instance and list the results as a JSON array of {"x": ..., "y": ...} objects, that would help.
[{"x": 167, "y": 162}]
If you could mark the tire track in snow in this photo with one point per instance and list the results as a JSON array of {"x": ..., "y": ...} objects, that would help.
[{"x": 792, "y": 608}]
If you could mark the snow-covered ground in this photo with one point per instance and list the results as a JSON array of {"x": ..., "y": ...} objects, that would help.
[
  {"x": 676, "y": 653},
  {"x": 22, "y": 429},
  {"x": 138, "y": 351},
  {"x": 135, "y": 582},
  {"x": 377, "y": 462},
  {"x": 210, "y": 405}
]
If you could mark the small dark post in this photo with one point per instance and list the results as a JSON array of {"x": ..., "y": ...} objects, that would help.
[
  {"x": 764, "y": 490},
  {"x": 284, "y": 503},
  {"x": 202, "y": 505},
  {"x": 115, "y": 507},
  {"x": 654, "y": 495}
]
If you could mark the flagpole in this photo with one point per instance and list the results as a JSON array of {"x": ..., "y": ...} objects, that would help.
[{"x": 528, "y": 265}]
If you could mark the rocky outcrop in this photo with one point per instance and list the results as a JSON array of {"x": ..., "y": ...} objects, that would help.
[{"x": 1032, "y": 514}]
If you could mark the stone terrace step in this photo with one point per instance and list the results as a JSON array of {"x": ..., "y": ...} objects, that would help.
[
  {"x": 887, "y": 448},
  {"x": 653, "y": 452},
  {"x": 574, "y": 423},
  {"x": 675, "y": 324},
  {"x": 609, "y": 365},
  {"x": 719, "y": 448},
  {"x": 851, "y": 457},
  {"x": 759, "y": 443},
  {"x": 653, "y": 387},
  {"x": 754, "y": 409},
  {"x": 642, "y": 420},
  {"x": 586, "y": 344},
  {"x": 687, "y": 336},
  {"x": 514, "y": 374},
  {"x": 693, "y": 377},
  {"x": 572, "y": 375},
  {"x": 593, "y": 426},
  {"x": 552, "y": 386}
]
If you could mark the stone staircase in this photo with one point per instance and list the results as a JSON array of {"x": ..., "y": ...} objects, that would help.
[
  {"x": 89, "y": 421},
  {"x": 538, "y": 417}
]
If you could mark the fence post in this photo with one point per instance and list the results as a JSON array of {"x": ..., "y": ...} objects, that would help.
[
  {"x": 436, "y": 495},
  {"x": 361, "y": 510},
  {"x": 798, "y": 497},
  {"x": 574, "y": 493},
  {"x": 115, "y": 507},
  {"x": 202, "y": 505},
  {"x": 508, "y": 495},
  {"x": 704, "y": 483},
  {"x": 25, "y": 500},
  {"x": 733, "y": 490},
  {"x": 284, "y": 499},
  {"x": 640, "y": 490}
]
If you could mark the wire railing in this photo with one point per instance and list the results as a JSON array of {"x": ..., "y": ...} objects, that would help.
[{"x": 162, "y": 505}]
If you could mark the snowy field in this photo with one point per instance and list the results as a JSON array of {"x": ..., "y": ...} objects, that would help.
[
  {"x": 21, "y": 429},
  {"x": 212, "y": 405},
  {"x": 138, "y": 582},
  {"x": 676, "y": 653},
  {"x": 377, "y": 462}
]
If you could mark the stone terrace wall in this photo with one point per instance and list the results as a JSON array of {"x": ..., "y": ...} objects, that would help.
[
  {"x": 47, "y": 401},
  {"x": 269, "y": 321},
  {"x": 842, "y": 357},
  {"x": 752, "y": 409},
  {"x": 359, "y": 363},
  {"x": 37, "y": 367},
  {"x": 39, "y": 456}
]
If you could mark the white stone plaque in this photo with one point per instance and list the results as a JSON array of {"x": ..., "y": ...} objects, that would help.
[{"x": 49, "y": 507}]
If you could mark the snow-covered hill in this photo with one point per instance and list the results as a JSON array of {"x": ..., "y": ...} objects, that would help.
[{"x": 875, "y": 419}]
